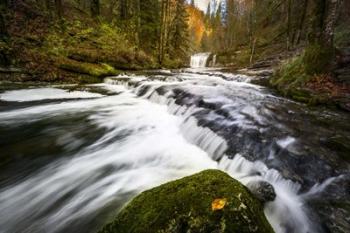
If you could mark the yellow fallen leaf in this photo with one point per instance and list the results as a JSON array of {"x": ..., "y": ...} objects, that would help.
[{"x": 218, "y": 204}]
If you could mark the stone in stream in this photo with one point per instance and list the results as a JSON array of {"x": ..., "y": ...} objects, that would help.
[
  {"x": 263, "y": 190},
  {"x": 210, "y": 201}
]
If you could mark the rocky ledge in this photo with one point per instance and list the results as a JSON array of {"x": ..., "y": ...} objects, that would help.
[{"x": 210, "y": 201}]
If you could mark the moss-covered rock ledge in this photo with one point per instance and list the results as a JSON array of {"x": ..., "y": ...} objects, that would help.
[
  {"x": 210, "y": 201},
  {"x": 310, "y": 78}
]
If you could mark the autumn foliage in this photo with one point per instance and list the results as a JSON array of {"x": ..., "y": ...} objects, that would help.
[{"x": 196, "y": 24}]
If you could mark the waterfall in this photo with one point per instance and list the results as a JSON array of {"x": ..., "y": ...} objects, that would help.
[
  {"x": 214, "y": 60},
  {"x": 199, "y": 60}
]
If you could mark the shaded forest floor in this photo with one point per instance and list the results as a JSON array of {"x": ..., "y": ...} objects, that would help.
[
  {"x": 292, "y": 79},
  {"x": 77, "y": 49},
  {"x": 300, "y": 78}
]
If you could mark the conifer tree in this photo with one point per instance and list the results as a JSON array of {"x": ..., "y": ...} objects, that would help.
[
  {"x": 179, "y": 40},
  {"x": 149, "y": 24}
]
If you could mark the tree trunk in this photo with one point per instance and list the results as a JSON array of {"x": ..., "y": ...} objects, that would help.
[
  {"x": 302, "y": 21},
  {"x": 48, "y": 8},
  {"x": 110, "y": 10},
  {"x": 332, "y": 7},
  {"x": 252, "y": 40},
  {"x": 4, "y": 52},
  {"x": 317, "y": 20},
  {"x": 320, "y": 57},
  {"x": 3, "y": 31},
  {"x": 166, "y": 47},
  {"x": 289, "y": 22},
  {"x": 163, "y": 30},
  {"x": 3, "y": 11},
  {"x": 252, "y": 52},
  {"x": 95, "y": 8},
  {"x": 59, "y": 8},
  {"x": 123, "y": 9},
  {"x": 48, "y": 5},
  {"x": 160, "y": 40},
  {"x": 138, "y": 21}
]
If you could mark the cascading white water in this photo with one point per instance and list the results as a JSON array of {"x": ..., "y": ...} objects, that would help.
[
  {"x": 152, "y": 151},
  {"x": 286, "y": 212},
  {"x": 146, "y": 141},
  {"x": 199, "y": 60},
  {"x": 214, "y": 60}
]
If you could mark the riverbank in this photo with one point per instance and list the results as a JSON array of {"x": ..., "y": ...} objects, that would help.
[{"x": 288, "y": 74}]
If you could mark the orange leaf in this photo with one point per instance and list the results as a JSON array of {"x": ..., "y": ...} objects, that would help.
[{"x": 218, "y": 204}]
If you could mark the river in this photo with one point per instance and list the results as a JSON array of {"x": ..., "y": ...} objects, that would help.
[{"x": 72, "y": 156}]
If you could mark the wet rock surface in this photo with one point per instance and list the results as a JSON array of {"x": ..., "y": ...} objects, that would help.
[
  {"x": 298, "y": 141},
  {"x": 263, "y": 190},
  {"x": 333, "y": 207},
  {"x": 255, "y": 125}
]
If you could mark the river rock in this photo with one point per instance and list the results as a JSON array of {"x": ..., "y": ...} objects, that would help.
[
  {"x": 263, "y": 190},
  {"x": 210, "y": 201}
]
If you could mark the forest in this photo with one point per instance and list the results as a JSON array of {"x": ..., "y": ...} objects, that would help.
[
  {"x": 306, "y": 41},
  {"x": 54, "y": 40},
  {"x": 82, "y": 41},
  {"x": 173, "y": 116}
]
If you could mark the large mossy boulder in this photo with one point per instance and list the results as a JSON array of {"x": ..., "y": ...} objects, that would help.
[{"x": 207, "y": 202}]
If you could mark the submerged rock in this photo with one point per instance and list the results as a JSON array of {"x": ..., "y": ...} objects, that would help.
[
  {"x": 263, "y": 190},
  {"x": 210, "y": 201}
]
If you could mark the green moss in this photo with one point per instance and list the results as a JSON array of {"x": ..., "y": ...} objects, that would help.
[
  {"x": 317, "y": 59},
  {"x": 172, "y": 63},
  {"x": 76, "y": 51},
  {"x": 185, "y": 205},
  {"x": 240, "y": 59},
  {"x": 299, "y": 94},
  {"x": 96, "y": 70},
  {"x": 297, "y": 72},
  {"x": 84, "y": 55},
  {"x": 342, "y": 35},
  {"x": 86, "y": 79},
  {"x": 292, "y": 77}
]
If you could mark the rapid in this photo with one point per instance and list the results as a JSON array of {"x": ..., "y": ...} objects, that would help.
[{"x": 75, "y": 155}]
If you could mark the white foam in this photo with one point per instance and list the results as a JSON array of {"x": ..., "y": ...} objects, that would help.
[
  {"x": 153, "y": 152},
  {"x": 284, "y": 143},
  {"x": 44, "y": 94},
  {"x": 287, "y": 211}
]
